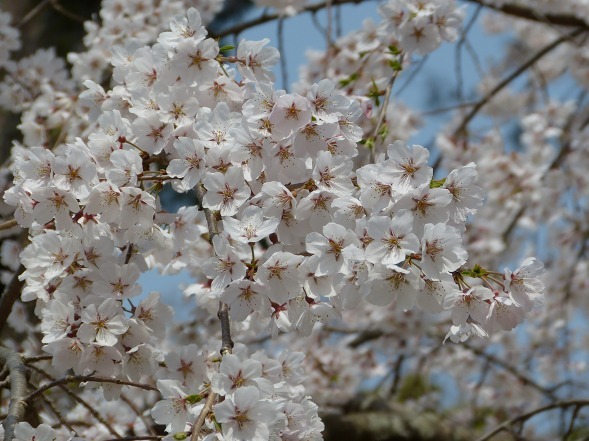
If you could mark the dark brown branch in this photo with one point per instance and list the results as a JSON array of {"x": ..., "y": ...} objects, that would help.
[
  {"x": 265, "y": 18},
  {"x": 226, "y": 342},
  {"x": 528, "y": 415},
  {"x": 82, "y": 378},
  {"x": 18, "y": 389},
  {"x": 209, "y": 215},
  {"x": 535, "y": 15},
  {"x": 10, "y": 295},
  {"x": 525, "y": 66},
  {"x": 81, "y": 401},
  {"x": 223, "y": 314},
  {"x": 65, "y": 12},
  {"x": 132, "y": 438}
]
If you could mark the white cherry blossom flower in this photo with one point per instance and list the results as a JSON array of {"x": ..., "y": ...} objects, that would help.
[
  {"x": 333, "y": 248},
  {"x": 408, "y": 166},
  {"x": 226, "y": 192},
  {"x": 290, "y": 112},
  {"x": 102, "y": 324},
  {"x": 256, "y": 60},
  {"x": 174, "y": 410},
  {"x": 467, "y": 198},
  {"x": 245, "y": 297},
  {"x": 235, "y": 373},
  {"x": 280, "y": 274},
  {"x": 190, "y": 166},
  {"x": 244, "y": 416},
  {"x": 251, "y": 228},
  {"x": 392, "y": 238},
  {"x": 225, "y": 267},
  {"x": 441, "y": 250},
  {"x": 523, "y": 284},
  {"x": 117, "y": 281},
  {"x": 24, "y": 432},
  {"x": 470, "y": 304}
]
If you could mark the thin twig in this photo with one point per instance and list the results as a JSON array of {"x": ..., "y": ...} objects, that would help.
[
  {"x": 524, "y": 379},
  {"x": 18, "y": 389},
  {"x": 32, "y": 13},
  {"x": 8, "y": 224},
  {"x": 265, "y": 18},
  {"x": 458, "y": 53},
  {"x": 81, "y": 401},
  {"x": 65, "y": 12},
  {"x": 208, "y": 407},
  {"x": 139, "y": 414},
  {"x": 383, "y": 109},
  {"x": 502, "y": 84},
  {"x": 58, "y": 414},
  {"x": 283, "y": 64},
  {"x": 83, "y": 378}
]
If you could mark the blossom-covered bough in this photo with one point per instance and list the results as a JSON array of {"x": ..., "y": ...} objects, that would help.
[{"x": 323, "y": 247}]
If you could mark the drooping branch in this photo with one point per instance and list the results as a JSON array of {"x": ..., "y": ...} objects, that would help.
[
  {"x": 18, "y": 389},
  {"x": 534, "y": 15},
  {"x": 528, "y": 415}
]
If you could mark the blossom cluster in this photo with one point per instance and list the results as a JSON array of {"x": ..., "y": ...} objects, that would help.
[{"x": 302, "y": 227}]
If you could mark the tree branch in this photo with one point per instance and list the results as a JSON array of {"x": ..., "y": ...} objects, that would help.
[
  {"x": 528, "y": 415},
  {"x": 223, "y": 315},
  {"x": 532, "y": 60},
  {"x": 18, "y": 389},
  {"x": 208, "y": 407},
  {"x": 82, "y": 378},
  {"x": 6, "y": 225},
  {"x": 10, "y": 295},
  {"x": 81, "y": 401},
  {"x": 534, "y": 15},
  {"x": 265, "y": 18}
]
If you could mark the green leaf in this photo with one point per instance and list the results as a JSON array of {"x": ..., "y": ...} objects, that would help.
[
  {"x": 180, "y": 436},
  {"x": 226, "y": 48}
]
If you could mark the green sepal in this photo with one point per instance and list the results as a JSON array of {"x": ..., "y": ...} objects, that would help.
[
  {"x": 193, "y": 399},
  {"x": 396, "y": 65},
  {"x": 437, "y": 183},
  {"x": 476, "y": 272},
  {"x": 348, "y": 80}
]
